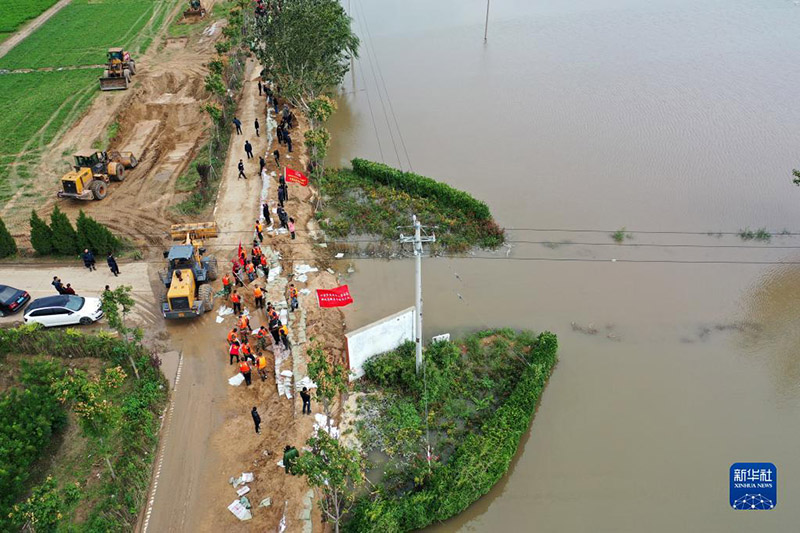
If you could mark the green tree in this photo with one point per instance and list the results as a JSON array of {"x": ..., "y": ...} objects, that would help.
[
  {"x": 95, "y": 236},
  {"x": 88, "y": 398},
  {"x": 116, "y": 304},
  {"x": 7, "y": 245},
  {"x": 796, "y": 174},
  {"x": 306, "y": 45},
  {"x": 331, "y": 378},
  {"x": 41, "y": 512},
  {"x": 41, "y": 235},
  {"x": 65, "y": 240},
  {"x": 335, "y": 471}
]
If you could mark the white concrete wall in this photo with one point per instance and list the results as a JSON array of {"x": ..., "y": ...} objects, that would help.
[{"x": 379, "y": 337}]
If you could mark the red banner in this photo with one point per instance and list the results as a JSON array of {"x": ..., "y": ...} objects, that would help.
[
  {"x": 293, "y": 176},
  {"x": 338, "y": 297}
]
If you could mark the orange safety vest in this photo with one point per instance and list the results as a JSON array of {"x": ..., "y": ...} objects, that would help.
[
  {"x": 283, "y": 329},
  {"x": 244, "y": 323},
  {"x": 249, "y": 268},
  {"x": 246, "y": 349},
  {"x": 256, "y": 250},
  {"x": 263, "y": 260},
  {"x": 226, "y": 280},
  {"x": 273, "y": 315},
  {"x": 231, "y": 336},
  {"x": 244, "y": 367},
  {"x": 293, "y": 292},
  {"x": 262, "y": 362},
  {"x": 257, "y": 292},
  {"x": 235, "y": 298},
  {"x": 259, "y": 227}
]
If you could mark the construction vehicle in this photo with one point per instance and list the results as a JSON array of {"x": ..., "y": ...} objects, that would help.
[
  {"x": 196, "y": 10},
  {"x": 93, "y": 172},
  {"x": 119, "y": 69},
  {"x": 188, "y": 273}
]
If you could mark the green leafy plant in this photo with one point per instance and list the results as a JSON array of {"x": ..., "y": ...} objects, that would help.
[
  {"x": 620, "y": 235},
  {"x": 41, "y": 235},
  {"x": 65, "y": 239},
  {"x": 42, "y": 511},
  {"x": 335, "y": 471},
  {"x": 8, "y": 246},
  {"x": 330, "y": 377},
  {"x": 94, "y": 236},
  {"x": 116, "y": 304},
  {"x": 760, "y": 234}
]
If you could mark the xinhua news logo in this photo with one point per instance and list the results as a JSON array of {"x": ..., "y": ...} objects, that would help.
[{"x": 754, "y": 486}]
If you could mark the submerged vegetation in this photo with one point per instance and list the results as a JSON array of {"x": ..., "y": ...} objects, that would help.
[
  {"x": 448, "y": 435},
  {"x": 760, "y": 234},
  {"x": 374, "y": 199}
]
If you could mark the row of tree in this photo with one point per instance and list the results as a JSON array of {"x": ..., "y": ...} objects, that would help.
[{"x": 61, "y": 238}]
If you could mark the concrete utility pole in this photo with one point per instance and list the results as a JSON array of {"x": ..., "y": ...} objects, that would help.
[
  {"x": 418, "y": 239},
  {"x": 486, "y": 26}
]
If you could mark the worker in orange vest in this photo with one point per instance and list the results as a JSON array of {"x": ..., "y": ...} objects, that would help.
[
  {"x": 250, "y": 270},
  {"x": 283, "y": 332},
  {"x": 226, "y": 285},
  {"x": 244, "y": 368},
  {"x": 265, "y": 267},
  {"x": 237, "y": 303},
  {"x": 258, "y": 296},
  {"x": 256, "y": 251},
  {"x": 261, "y": 366},
  {"x": 259, "y": 227},
  {"x": 232, "y": 335},
  {"x": 293, "y": 304},
  {"x": 247, "y": 353},
  {"x": 234, "y": 352},
  {"x": 244, "y": 323},
  {"x": 262, "y": 334}
]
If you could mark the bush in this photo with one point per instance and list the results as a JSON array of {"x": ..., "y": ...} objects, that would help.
[
  {"x": 95, "y": 236},
  {"x": 7, "y": 245},
  {"x": 393, "y": 369},
  {"x": 65, "y": 240},
  {"x": 41, "y": 235},
  {"x": 28, "y": 417},
  {"x": 476, "y": 465},
  {"x": 422, "y": 186}
]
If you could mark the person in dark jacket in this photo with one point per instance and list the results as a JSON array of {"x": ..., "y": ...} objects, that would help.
[
  {"x": 88, "y": 259},
  {"x": 306, "y": 396},
  {"x": 256, "y": 419},
  {"x": 281, "y": 194},
  {"x": 287, "y": 138},
  {"x": 290, "y": 455},
  {"x": 248, "y": 149},
  {"x": 283, "y": 217},
  {"x": 277, "y": 155},
  {"x": 56, "y": 283},
  {"x": 261, "y": 163},
  {"x": 238, "y": 124},
  {"x": 265, "y": 212},
  {"x": 112, "y": 264},
  {"x": 68, "y": 289},
  {"x": 257, "y": 125},
  {"x": 279, "y": 131},
  {"x": 241, "y": 170}
]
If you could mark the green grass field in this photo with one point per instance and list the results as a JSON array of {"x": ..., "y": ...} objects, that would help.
[
  {"x": 81, "y": 33},
  {"x": 40, "y": 106},
  {"x": 14, "y": 13}
]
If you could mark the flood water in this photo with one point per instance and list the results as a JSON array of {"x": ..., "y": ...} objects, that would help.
[{"x": 679, "y": 117}]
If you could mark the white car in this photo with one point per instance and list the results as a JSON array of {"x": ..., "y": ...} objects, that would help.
[{"x": 64, "y": 310}]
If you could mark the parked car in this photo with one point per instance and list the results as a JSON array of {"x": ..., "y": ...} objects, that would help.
[
  {"x": 64, "y": 310},
  {"x": 12, "y": 300}
]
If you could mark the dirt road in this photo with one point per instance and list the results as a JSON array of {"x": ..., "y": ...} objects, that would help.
[{"x": 31, "y": 27}]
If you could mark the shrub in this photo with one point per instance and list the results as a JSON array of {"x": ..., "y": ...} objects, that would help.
[
  {"x": 7, "y": 245},
  {"x": 422, "y": 186},
  {"x": 476, "y": 465},
  {"x": 95, "y": 236},
  {"x": 28, "y": 417},
  {"x": 41, "y": 235},
  {"x": 393, "y": 369},
  {"x": 65, "y": 240}
]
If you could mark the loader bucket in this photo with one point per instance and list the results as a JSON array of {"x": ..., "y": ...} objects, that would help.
[
  {"x": 113, "y": 84},
  {"x": 198, "y": 230}
]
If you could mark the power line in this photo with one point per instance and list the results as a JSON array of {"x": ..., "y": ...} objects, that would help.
[
  {"x": 371, "y": 114},
  {"x": 646, "y": 232}
]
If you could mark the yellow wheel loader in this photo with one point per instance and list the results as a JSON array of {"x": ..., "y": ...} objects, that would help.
[
  {"x": 188, "y": 274},
  {"x": 119, "y": 69},
  {"x": 196, "y": 10},
  {"x": 93, "y": 172}
]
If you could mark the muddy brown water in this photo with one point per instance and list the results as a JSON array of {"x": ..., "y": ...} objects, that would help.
[{"x": 671, "y": 116}]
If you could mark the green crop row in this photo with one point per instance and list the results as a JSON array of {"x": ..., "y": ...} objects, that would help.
[
  {"x": 417, "y": 185},
  {"x": 480, "y": 460},
  {"x": 35, "y": 108},
  {"x": 82, "y": 32},
  {"x": 16, "y": 12}
]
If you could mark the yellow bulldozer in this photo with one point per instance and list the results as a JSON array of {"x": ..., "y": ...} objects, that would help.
[
  {"x": 188, "y": 274},
  {"x": 196, "y": 10},
  {"x": 94, "y": 170},
  {"x": 119, "y": 69}
]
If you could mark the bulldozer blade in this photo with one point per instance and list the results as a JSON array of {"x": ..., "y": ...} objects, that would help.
[{"x": 198, "y": 230}]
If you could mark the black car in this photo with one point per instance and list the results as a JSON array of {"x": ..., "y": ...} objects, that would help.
[{"x": 12, "y": 300}]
